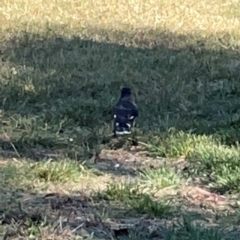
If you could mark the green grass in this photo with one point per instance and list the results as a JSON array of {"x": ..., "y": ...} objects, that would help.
[
  {"x": 31, "y": 176},
  {"x": 219, "y": 163},
  {"x": 159, "y": 179},
  {"x": 58, "y": 172},
  {"x": 132, "y": 199},
  {"x": 188, "y": 230},
  {"x": 61, "y": 74}
]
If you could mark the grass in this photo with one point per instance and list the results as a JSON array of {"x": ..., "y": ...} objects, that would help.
[
  {"x": 159, "y": 179},
  {"x": 60, "y": 77},
  {"x": 62, "y": 171},
  {"x": 133, "y": 199},
  {"x": 37, "y": 198},
  {"x": 188, "y": 230}
]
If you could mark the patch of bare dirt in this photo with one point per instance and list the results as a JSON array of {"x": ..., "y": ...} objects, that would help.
[
  {"x": 201, "y": 197},
  {"x": 123, "y": 162}
]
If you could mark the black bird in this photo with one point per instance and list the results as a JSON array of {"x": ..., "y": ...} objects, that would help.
[{"x": 124, "y": 113}]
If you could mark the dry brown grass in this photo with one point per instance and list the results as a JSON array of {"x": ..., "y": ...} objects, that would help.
[{"x": 218, "y": 19}]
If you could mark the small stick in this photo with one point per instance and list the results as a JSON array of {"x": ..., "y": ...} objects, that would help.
[{"x": 11, "y": 143}]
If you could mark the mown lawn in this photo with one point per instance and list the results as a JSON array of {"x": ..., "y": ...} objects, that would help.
[{"x": 62, "y": 65}]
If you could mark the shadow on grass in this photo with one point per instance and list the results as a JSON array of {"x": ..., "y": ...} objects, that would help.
[{"x": 57, "y": 93}]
